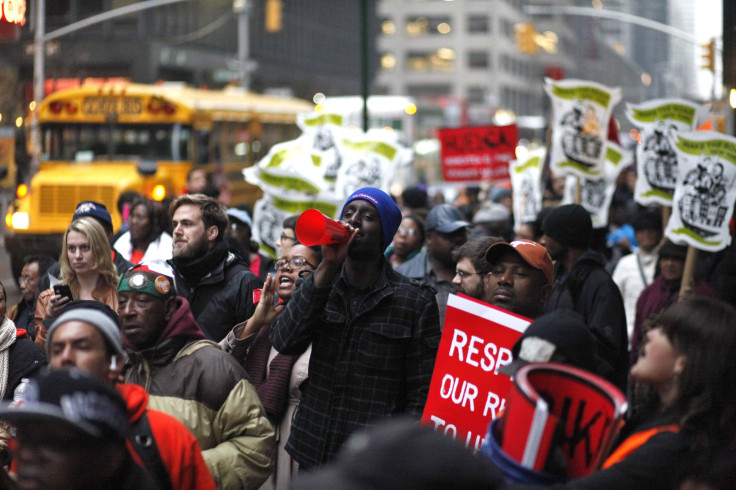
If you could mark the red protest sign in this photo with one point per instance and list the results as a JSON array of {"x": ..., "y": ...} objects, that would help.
[
  {"x": 560, "y": 411},
  {"x": 477, "y": 153},
  {"x": 467, "y": 391}
]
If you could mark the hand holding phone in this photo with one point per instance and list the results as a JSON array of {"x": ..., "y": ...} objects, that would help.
[{"x": 64, "y": 291}]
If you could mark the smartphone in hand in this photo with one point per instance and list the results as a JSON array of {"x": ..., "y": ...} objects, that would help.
[{"x": 63, "y": 290}]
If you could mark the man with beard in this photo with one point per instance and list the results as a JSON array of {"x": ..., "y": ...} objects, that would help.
[
  {"x": 520, "y": 277},
  {"x": 582, "y": 284},
  {"x": 472, "y": 268},
  {"x": 218, "y": 286},
  {"x": 445, "y": 231},
  {"x": 374, "y": 334}
]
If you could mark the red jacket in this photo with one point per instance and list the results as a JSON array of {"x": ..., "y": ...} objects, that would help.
[{"x": 178, "y": 448}]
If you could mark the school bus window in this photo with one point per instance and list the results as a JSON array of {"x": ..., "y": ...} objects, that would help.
[{"x": 105, "y": 142}]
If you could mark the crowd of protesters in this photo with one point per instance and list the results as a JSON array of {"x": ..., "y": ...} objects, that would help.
[{"x": 243, "y": 370}]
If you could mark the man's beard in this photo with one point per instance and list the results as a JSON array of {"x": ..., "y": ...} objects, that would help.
[{"x": 193, "y": 249}]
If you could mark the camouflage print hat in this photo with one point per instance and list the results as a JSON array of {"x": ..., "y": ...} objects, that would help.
[{"x": 141, "y": 279}]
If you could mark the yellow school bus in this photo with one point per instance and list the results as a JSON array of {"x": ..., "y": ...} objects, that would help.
[{"x": 101, "y": 140}]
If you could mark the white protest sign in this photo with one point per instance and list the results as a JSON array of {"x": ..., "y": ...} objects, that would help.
[
  {"x": 319, "y": 170},
  {"x": 702, "y": 204},
  {"x": 526, "y": 183},
  {"x": 581, "y": 112},
  {"x": 659, "y": 122},
  {"x": 596, "y": 194}
]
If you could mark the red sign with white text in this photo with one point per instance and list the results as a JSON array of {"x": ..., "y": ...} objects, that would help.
[
  {"x": 13, "y": 12},
  {"x": 477, "y": 153},
  {"x": 467, "y": 391}
]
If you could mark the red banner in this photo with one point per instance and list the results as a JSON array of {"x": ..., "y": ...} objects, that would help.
[
  {"x": 467, "y": 391},
  {"x": 477, "y": 153}
]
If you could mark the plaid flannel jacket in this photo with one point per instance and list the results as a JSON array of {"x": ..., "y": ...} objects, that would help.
[{"x": 371, "y": 360}]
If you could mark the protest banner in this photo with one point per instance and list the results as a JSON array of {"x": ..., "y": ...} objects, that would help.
[
  {"x": 581, "y": 115},
  {"x": 467, "y": 391},
  {"x": 596, "y": 193},
  {"x": 319, "y": 170},
  {"x": 556, "y": 413},
  {"x": 477, "y": 153},
  {"x": 526, "y": 182},
  {"x": 703, "y": 200},
  {"x": 659, "y": 122}
]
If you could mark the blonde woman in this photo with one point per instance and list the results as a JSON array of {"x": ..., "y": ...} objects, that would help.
[{"x": 86, "y": 267}]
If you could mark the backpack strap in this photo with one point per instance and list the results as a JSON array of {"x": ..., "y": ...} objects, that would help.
[{"x": 142, "y": 440}]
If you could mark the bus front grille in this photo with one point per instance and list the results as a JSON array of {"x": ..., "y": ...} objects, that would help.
[{"x": 62, "y": 200}]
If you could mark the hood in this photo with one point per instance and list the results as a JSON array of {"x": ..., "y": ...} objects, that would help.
[
  {"x": 136, "y": 400},
  {"x": 182, "y": 324}
]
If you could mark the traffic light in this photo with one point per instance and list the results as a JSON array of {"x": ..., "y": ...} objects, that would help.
[
  {"x": 525, "y": 37},
  {"x": 709, "y": 55},
  {"x": 273, "y": 15}
]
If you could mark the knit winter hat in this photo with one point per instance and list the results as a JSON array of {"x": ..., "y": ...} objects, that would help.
[
  {"x": 387, "y": 209},
  {"x": 141, "y": 279},
  {"x": 101, "y": 321},
  {"x": 570, "y": 225}
]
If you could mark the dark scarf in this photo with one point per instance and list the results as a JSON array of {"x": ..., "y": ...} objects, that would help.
[{"x": 192, "y": 270}]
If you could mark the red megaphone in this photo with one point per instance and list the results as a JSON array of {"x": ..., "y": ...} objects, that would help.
[{"x": 314, "y": 228}]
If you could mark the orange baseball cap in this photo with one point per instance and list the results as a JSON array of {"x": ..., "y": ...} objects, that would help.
[{"x": 531, "y": 252}]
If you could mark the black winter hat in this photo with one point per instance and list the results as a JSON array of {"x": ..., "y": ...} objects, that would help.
[
  {"x": 672, "y": 251},
  {"x": 561, "y": 336},
  {"x": 570, "y": 225},
  {"x": 647, "y": 219}
]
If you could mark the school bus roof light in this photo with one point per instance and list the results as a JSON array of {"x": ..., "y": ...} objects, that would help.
[
  {"x": 158, "y": 193},
  {"x": 56, "y": 107},
  {"x": 70, "y": 108},
  {"x": 21, "y": 191}
]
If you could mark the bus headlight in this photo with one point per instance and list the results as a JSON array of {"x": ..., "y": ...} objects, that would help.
[{"x": 19, "y": 221}]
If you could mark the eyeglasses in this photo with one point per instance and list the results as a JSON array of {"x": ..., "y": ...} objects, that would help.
[
  {"x": 287, "y": 237},
  {"x": 23, "y": 279},
  {"x": 408, "y": 231},
  {"x": 293, "y": 263},
  {"x": 464, "y": 275}
]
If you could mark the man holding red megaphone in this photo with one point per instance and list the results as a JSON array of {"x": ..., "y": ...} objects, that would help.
[{"x": 374, "y": 333}]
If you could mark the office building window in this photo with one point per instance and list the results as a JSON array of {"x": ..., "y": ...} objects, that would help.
[
  {"x": 441, "y": 60},
  {"x": 428, "y": 26},
  {"x": 388, "y": 61},
  {"x": 478, "y": 60},
  {"x": 478, "y": 24}
]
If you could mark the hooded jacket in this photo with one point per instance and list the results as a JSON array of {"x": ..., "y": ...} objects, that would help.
[
  {"x": 208, "y": 391},
  {"x": 179, "y": 451},
  {"x": 589, "y": 290}
]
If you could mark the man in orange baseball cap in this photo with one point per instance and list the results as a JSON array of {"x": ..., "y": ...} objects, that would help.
[{"x": 521, "y": 277}]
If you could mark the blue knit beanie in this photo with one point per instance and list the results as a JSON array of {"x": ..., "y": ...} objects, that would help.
[{"x": 387, "y": 209}]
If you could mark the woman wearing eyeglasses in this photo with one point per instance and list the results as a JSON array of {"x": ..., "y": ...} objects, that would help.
[
  {"x": 408, "y": 241},
  {"x": 276, "y": 377}
]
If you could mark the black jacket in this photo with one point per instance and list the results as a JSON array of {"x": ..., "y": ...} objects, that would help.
[
  {"x": 589, "y": 290},
  {"x": 222, "y": 298}
]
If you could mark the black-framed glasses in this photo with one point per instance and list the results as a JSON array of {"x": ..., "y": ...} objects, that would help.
[
  {"x": 293, "y": 263},
  {"x": 464, "y": 275},
  {"x": 287, "y": 237}
]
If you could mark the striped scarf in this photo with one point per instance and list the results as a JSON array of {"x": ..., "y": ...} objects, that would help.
[{"x": 7, "y": 338}]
